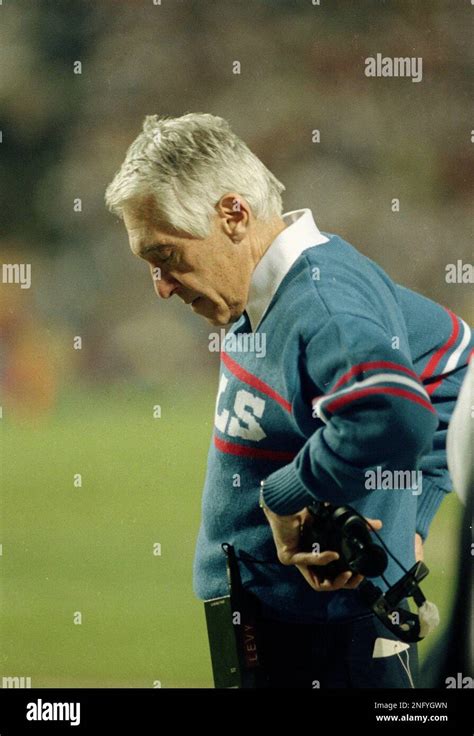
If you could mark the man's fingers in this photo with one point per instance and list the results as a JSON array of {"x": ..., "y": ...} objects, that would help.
[
  {"x": 313, "y": 580},
  {"x": 337, "y": 583},
  {"x": 324, "y": 585},
  {"x": 312, "y": 558},
  {"x": 354, "y": 582},
  {"x": 345, "y": 580},
  {"x": 308, "y": 576},
  {"x": 374, "y": 523}
]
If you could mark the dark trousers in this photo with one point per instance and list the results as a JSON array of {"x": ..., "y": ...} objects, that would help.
[{"x": 333, "y": 655}]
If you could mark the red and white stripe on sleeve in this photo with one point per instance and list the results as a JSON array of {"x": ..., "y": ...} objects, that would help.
[
  {"x": 386, "y": 377},
  {"x": 448, "y": 356}
]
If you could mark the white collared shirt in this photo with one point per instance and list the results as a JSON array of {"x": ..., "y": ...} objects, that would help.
[{"x": 301, "y": 233}]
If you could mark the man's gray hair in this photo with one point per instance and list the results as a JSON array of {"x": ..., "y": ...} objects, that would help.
[{"x": 187, "y": 164}]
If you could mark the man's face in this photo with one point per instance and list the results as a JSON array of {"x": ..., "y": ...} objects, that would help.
[{"x": 211, "y": 274}]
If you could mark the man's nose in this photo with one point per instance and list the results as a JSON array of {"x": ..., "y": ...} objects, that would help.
[{"x": 165, "y": 286}]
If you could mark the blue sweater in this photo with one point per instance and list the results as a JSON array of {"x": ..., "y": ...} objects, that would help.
[{"x": 359, "y": 375}]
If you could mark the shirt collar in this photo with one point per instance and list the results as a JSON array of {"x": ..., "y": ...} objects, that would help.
[{"x": 300, "y": 233}]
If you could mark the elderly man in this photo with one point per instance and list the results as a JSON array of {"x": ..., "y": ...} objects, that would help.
[{"x": 359, "y": 375}]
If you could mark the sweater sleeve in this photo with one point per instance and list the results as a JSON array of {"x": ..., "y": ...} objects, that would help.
[
  {"x": 437, "y": 482},
  {"x": 371, "y": 411}
]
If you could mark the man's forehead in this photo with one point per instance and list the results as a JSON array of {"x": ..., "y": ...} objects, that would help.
[
  {"x": 141, "y": 230},
  {"x": 138, "y": 236},
  {"x": 136, "y": 218},
  {"x": 137, "y": 240}
]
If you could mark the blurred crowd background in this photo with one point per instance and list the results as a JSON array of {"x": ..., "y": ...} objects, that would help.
[{"x": 63, "y": 137}]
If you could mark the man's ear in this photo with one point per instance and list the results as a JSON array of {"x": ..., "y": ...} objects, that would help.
[{"x": 234, "y": 213}]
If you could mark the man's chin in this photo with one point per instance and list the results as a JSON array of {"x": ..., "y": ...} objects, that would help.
[
  {"x": 219, "y": 322},
  {"x": 217, "y": 319},
  {"x": 224, "y": 321}
]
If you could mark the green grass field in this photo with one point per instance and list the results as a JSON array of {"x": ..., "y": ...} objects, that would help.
[{"x": 90, "y": 549}]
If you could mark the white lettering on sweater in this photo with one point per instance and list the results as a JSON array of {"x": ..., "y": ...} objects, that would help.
[{"x": 243, "y": 420}]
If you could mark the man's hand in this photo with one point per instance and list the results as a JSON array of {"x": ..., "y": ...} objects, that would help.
[{"x": 286, "y": 534}]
